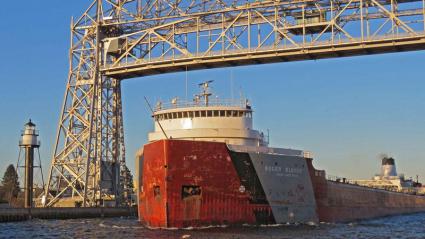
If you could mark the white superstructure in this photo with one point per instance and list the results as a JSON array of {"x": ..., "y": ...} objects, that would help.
[
  {"x": 207, "y": 119},
  {"x": 389, "y": 179}
]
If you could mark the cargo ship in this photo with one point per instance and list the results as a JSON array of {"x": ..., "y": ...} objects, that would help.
[{"x": 206, "y": 165}]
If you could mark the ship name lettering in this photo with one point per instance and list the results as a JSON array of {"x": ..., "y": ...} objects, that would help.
[
  {"x": 273, "y": 169},
  {"x": 293, "y": 170}
]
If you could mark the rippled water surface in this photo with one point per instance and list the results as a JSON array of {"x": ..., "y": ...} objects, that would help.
[{"x": 409, "y": 226}]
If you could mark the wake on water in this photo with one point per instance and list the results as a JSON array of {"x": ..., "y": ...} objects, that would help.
[{"x": 407, "y": 226}]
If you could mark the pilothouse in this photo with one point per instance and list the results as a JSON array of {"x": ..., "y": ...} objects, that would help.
[{"x": 207, "y": 118}]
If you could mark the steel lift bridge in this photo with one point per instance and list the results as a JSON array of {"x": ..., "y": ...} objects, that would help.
[{"x": 120, "y": 39}]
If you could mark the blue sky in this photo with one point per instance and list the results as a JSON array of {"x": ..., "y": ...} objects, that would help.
[{"x": 347, "y": 111}]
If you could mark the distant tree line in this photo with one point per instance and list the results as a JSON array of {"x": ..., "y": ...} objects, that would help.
[
  {"x": 10, "y": 191},
  {"x": 9, "y": 188}
]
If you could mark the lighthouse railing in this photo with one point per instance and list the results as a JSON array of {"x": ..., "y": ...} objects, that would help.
[{"x": 22, "y": 143}]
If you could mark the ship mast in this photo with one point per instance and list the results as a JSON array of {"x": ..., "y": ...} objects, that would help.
[{"x": 205, "y": 91}]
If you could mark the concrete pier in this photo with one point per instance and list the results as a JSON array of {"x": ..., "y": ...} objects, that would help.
[{"x": 22, "y": 214}]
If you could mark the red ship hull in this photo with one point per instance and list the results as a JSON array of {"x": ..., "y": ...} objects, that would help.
[
  {"x": 167, "y": 167},
  {"x": 194, "y": 183}
]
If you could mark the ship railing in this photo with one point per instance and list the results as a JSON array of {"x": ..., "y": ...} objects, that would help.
[
  {"x": 339, "y": 179},
  {"x": 176, "y": 104},
  {"x": 380, "y": 187}
]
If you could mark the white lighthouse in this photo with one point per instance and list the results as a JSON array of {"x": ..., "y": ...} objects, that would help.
[{"x": 29, "y": 142}]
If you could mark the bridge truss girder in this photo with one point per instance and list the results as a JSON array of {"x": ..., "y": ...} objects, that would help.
[{"x": 252, "y": 32}]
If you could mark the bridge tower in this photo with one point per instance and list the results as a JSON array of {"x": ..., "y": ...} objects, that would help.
[{"x": 88, "y": 164}]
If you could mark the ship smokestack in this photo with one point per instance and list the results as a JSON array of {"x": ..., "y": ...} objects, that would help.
[{"x": 388, "y": 167}]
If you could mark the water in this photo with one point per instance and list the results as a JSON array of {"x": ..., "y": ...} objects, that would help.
[{"x": 408, "y": 226}]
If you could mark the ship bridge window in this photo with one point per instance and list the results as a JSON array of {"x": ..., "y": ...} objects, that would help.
[
  {"x": 203, "y": 113},
  {"x": 189, "y": 191}
]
